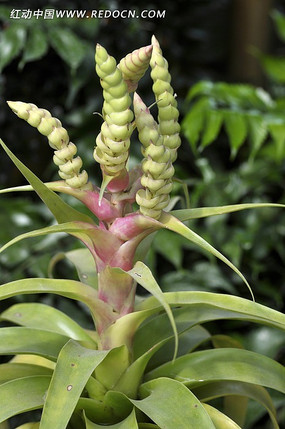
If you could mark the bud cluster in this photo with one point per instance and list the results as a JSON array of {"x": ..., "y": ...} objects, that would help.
[
  {"x": 168, "y": 113},
  {"x": 134, "y": 66},
  {"x": 69, "y": 167},
  {"x": 113, "y": 142},
  {"x": 157, "y": 166}
]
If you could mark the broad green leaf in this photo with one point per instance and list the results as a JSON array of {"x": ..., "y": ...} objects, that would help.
[
  {"x": 23, "y": 394},
  {"x": 61, "y": 211},
  {"x": 68, "y": 46},
  {"x": 236, "y": 129},
  {"x": 36, "y": 46},
  {"x": 188, "y": 214},
  {"x": 11, "y": 371},
  {"x": 224, "y": 364},
  {"x": 277, "y": 132},
  {"x": 129, "y": 423},
  {"x": 75, "y": 364},
  {"x": 172, "y": 223},
  {"x": 214, "y": 121},
  {"x": 232, "y": 389},
  {"x": 12, "y": 40},
  {"x": 257, "y": 131},
  {"x": 68, "y": 288},
  {"x": 37, "y": 315},
  {"x": 34, "y": 341},
  {"x": 220, "y": 420},
  {"x": 200, "y": 88},
  {"x": 193, "y": 122},
  {"x": 85, "y": 266},
  {"x": 171, "y": 405},
  {"x": 197, "y": 308},
  {"x": 142, "y": 274},
  {"x": 239, "y": 307}
]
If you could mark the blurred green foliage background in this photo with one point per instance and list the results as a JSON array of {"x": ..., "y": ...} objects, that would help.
[{"x": 227, "y": 60}]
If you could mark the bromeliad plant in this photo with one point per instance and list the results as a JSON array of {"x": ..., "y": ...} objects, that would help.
[{"x": 139, "y": 367}]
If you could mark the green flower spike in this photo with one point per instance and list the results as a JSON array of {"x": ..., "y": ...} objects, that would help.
[
  {"x": 168, "y": 113},
  {"x": 113, "y": 142},
  {"x": 134, "y": 66},
  {"x": 69, "y": 167},
  {"x": 157, "y": 166}
]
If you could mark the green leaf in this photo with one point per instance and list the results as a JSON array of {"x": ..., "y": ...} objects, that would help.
[
  {"x": 172, "y": 223},
  {"x": 231, "y": 389},
  {"x": 11, "y": 371},
  {"x": 220, "y": 420},
  {"x": 68, "y": 46},
  {"x": 37, "y": 315},
  {"x": 214, "y": 121},
  {"x": 85, "y": 266},
  {"x": 68, "y": 288},
  {"x": 61, "y": 211},
  {"x": 187, "y": 214},
  {"x": 197, "y": 308},
  {"x": 129, "y": 423},
  {"x": 203, "y": 87},
  {"x": 142, "y": 274},
  {"x": 224, "y": 364},
  {"x": 12, "y": 41},
  {"x": 236, "y": 129},
  {"x": 36, "y": 46},
  {"x": 171, "y": 405},
  {"x": 193, "y": 122},
  {"x": 74, "y": 367},
  {"x": 277, "y": 132},
  {"x": 23, "y": 394},
  {"x": 257, "y": 131},
  {"x": 31, "y": 341}
]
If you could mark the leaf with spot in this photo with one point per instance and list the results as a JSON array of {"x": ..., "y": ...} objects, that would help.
[{"x": 75, "y": 365}]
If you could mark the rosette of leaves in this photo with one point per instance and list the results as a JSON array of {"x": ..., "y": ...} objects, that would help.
[{"x": 147, "y": 363}]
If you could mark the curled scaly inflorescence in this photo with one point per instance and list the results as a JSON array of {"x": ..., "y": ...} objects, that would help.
[
  {"x": 168, "y": 113},
  {"x": 69, "y": 167},
  {"x": 157, "y": 166},
  {"x": 134, "y": 66},
  {"x": 113, "y": 142}
]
